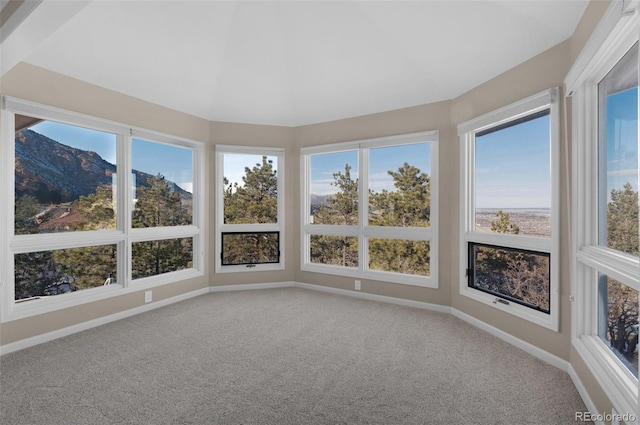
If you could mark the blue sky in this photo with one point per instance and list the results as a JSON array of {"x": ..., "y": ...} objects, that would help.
[
  {"x": 104, "y": 144},
  {"x": 324, "y": 165},
  {"x": 381, "y": 160},
  {"x": 234, "y": 165},
  {"x": 512, "y": 167},
  {"x": 622, "y": 140},
  {"x": 174, "y": 163}
]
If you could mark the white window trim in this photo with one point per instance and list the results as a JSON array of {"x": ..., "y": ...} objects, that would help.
[
  {"x": 258, "y": 227},
  {"x": 123, "y": 236},
  {"x": 362, "y": 231},
  {"x": 547, "y": 99},
  {"x": 616, "y": 33}
]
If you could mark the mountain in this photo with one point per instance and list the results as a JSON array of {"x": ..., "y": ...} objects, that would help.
[
  {"x": 54, "y": 173},
  {"x": 319, "y": 199}
]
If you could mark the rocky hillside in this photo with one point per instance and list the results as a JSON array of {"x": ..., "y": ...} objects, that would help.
[{"x": 56, "y": 173}]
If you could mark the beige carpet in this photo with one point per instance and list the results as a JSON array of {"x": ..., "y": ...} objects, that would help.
[{"x": 283, "y": 356}]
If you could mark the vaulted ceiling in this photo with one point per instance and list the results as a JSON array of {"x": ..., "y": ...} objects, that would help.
[{"x": 287, "y": 62}]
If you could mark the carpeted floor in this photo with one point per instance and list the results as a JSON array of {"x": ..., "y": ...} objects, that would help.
[{"x": 283, "y": 356}]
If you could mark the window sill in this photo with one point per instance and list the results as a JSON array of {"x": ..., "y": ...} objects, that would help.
[
  {"x": 615, "y": 380},
  {"x": 250, "y": 268},
  {"x": 43, "y": 305},
  {"x": 548, "y": 321},
  {"x": 413, "y": 280}
]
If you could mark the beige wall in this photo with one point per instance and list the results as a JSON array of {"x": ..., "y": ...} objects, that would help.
[
  {"x": 264, "y": 136},
  {"x": 541, "y": 72},
  {"x": 434, "y": 116},
  {"x": 38, "y": 85}
]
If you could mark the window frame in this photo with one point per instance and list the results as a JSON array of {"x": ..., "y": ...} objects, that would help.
[
  {"x": 616, "y": 34},
  {"x": 123, "y": 235},
  {"x": 363, "y": 232},
  {"x": 222, "y": 227},
  {"x": 547, "y": 99}
]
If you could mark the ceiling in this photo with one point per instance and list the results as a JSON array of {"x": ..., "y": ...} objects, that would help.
[{"x": 289, "y": 63}]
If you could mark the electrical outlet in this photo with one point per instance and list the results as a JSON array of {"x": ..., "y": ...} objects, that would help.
[
  {"x": 357, "y": 285},
  {"x": 148, "y": 297}
]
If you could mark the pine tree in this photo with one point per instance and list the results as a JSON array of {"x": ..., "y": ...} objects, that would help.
[
  {"x": 341, "y": 209},
  {"x": 503, "y": 224},
  {"x": 158, "y": 205},
  {"x": 622, "y": 220},
  {"x": 97, "y": 210},
  {"x": 622, "y": 235},
  {"x": 256, "y": 200},
  {"x": 408, "y": 206}
]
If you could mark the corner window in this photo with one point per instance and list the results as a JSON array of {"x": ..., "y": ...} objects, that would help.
[
  {"x": 370, "y": 209},
  {"x": 509, "y": 215},
  {"x": 249, "y": 211},
  {"x": 605, "y": 286},
  {"x": 94, "y": 209}
]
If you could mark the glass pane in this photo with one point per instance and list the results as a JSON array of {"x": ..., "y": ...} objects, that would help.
[
  {"x": 399, "y": 256},
  {"x": 513, "y": 177},
  {"x": 334, "y": 188},
  {"x": 400, "y": 185},
  {"x": 334, "y": 250},
  {"x": 250, "y": 189},
  {"x": 250, "y": 248},
  {"x": 511, "y": 274},
  {"x": 618, "y": 320},
  {"x": 162, "y": 184},
  {"x": 618, "y": 156},
  {"x": 64, "y": 177},
  {"x": 152, "y": 258},
  {"x": 48, "y": 273}
]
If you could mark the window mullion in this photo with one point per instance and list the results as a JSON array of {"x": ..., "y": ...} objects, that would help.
[
  {"x": 124, "y": 207},
  {"x": 363, "y": 207}
]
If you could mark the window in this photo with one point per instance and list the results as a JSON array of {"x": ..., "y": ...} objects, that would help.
[
  {"x": 606, "y": 281},
  {"x": 249, "y": 209},
  {"x": 370, "y": 209},
  {"x": 509, "y": 213},
  {"x": 93, "y": 209}
]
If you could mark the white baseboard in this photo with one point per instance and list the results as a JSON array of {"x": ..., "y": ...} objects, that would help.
[
  {"x": 250, "y": 286},
  {"x": 50, "y": 336},
  {"x": 543, "y": 355},
  {"x": 591, "y": 407},
  {"x": 374, "y": 297}
]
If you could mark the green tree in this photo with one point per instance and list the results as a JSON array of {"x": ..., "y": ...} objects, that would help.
[
  {"x": 503, "y": 224},
  {"x": 622, "y": 220},
  {"x": 341, "y": 208},
  {"x": 256, "y": 200},
  {"x": 622, "y": 235},
  {"x": 86, "y": 267},
  {"x": 400, "y": 256},
  {"x": 408, "y": 206},
  {"x": 334, "y": 250},
  {"x": 25, "y": 217},
  {"x": 151, "y": 258},
  {"x": 158, "y": 205},
  {"x": 96, "y": 210},
  {"x": 513, "y": 273},
  {"x": 89, "y": 267},
  {"x": 32, "y": 268}
]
